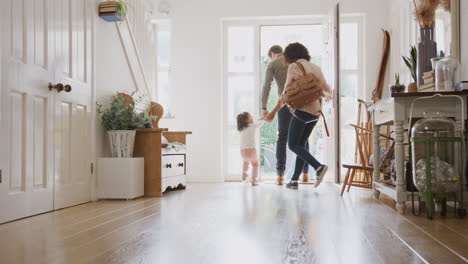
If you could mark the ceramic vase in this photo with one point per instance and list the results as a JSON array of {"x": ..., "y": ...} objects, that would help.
[{"x": 427, "y": 49}]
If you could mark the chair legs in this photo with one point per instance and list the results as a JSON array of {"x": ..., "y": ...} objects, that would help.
[
  {"x": 358, "y": 178},
  {"x": 353, "y": 174},
  {"x": 345, "y": 182}
]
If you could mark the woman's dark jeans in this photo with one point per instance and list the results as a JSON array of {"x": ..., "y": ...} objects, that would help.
[
  {"x": 284, "y": 119},
  {"x": 299, "y": 133}
]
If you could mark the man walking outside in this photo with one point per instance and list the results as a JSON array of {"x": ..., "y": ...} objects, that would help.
[{"x": 277, "y": 71}]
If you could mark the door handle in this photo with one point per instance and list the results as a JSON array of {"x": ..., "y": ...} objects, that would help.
[
  {"x": 60, "y": 87},
  {"x": 168, "y": 166},
  {"x": 181, "y": 164}
]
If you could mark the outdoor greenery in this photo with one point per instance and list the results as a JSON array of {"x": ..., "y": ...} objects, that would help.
[
  {"x": 121, "y": 116},
  {"x": 269, "y": 131}
]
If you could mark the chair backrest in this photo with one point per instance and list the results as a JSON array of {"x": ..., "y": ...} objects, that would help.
[
  {"x": 363, "y": 130},
  {"x": 157, "y": 110},
  {"x": 364, "y": 139}
]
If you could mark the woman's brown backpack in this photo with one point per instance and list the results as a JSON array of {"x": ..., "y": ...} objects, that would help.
[{"x": 304, "y": 90}]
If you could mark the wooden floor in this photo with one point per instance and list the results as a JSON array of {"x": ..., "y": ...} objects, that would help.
[{"x": 236, "y": 223}]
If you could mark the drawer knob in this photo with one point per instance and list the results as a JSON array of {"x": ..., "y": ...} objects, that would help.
[
  {"x": 181, "y": 164},
  {"x": 168, "y": 166}
]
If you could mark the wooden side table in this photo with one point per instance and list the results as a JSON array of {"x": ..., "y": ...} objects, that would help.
[{"x": 159, "y": 176}]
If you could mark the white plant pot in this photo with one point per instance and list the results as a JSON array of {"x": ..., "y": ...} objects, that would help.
[{"x": 121, "y": 143}]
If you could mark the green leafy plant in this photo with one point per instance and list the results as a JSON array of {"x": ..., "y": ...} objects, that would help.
[
  {"x": 397, "y": 79},
  {"x": 411, "y": 62},
  {"x": 121, "y": 116},
  {"x": 441, "y": 54}
]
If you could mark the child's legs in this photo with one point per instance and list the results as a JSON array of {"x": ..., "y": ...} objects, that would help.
[
  {"x": 250, "y": 157},
  {"x": 255, "y": 168},
  {"x": 246, "y": 157},
  {"x": 245, "y": 169}
]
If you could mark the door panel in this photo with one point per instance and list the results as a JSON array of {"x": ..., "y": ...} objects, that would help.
[
  {"x": 26, "y": 157},
  {"x": 45, "y": 136},
  {"x": 72, "y": 117}
]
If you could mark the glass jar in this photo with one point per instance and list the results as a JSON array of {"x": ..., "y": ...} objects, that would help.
[
  {"x": 447, "y": 74},
  {"x": 434, "y": 152}
]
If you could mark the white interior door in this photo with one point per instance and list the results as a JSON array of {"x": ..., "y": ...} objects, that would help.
[
  {"x": 73, "y": 109},
  {"x": 26, "y": 131},
  {"x": 45, "y": 136}
]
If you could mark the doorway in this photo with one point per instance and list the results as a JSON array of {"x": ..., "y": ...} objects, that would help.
[
  {"x": 311, "y": 36},
  {"x": 245, "y": 58}
]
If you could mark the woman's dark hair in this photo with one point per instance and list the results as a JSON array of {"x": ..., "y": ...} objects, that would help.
[
  {"x": 242, "y": 121},
  {"x": 275, "y": 50},
  {"x": 296, "y": 51}
]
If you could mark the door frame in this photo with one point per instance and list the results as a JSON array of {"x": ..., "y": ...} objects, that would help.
[
  {"x": 94, "y": 118},
  {"x": 256, "y": 23}
]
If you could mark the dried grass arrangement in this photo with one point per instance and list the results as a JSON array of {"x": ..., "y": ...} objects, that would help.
[{"x": 425, "y": 12}]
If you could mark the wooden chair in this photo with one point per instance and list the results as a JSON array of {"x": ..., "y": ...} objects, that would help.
[
  {"x": 360, "y": 173},
  {"x": 157, "y": 110}
]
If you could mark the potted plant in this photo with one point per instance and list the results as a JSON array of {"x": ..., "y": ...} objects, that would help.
[
  {"x": 121, "y": 120},
  {"x": 397, "y": 87},
  {"x": 411, "y": 63}
]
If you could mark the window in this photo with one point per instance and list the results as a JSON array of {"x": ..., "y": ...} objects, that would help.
[
  {"x": 241, "y": 88},
  {"x": 163, "y": 46}
]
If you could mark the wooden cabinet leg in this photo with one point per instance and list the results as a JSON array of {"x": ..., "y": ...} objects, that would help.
[{"x": 376, "y": 193}]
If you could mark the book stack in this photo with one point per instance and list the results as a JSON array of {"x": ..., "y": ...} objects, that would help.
[
  {"x": 110, "y": 11},
  {"x": 428, "y": 81}
]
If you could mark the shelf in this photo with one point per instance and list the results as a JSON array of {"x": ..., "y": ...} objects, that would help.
[
  {"x": 391, "y": 192},
  {"x": 420, "y": 94},
  {"x": 386, "y": 189}
]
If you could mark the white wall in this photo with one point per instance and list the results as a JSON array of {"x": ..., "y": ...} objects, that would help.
[
  {"x": 112, "y": 74},
  {"x": 376, "y": 18},
  {"x": 196, "y": 65}
]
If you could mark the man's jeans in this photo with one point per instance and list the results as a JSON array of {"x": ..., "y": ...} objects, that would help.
[{"x": 284, "y": 118}]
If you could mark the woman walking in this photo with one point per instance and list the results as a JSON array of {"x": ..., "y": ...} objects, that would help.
[{"x": 305, "y": 117}]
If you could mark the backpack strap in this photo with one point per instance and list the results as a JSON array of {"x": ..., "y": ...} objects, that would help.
[
  {"x": 301, "y": 67},
  {"x": 325, "y": 124},
  {"x": 315, "y": 120}
]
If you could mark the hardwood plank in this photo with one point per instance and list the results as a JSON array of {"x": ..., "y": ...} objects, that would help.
[
  {"x": 235, "y": 223},
  {"x": 61, "y": 241}
]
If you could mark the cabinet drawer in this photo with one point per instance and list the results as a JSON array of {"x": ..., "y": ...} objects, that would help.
[
  {"x": 384, "y": 115},
  {"x": 173, "y": 165}
]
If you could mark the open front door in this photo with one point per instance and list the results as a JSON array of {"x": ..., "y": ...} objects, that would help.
[{"x": 331, "y": 71}]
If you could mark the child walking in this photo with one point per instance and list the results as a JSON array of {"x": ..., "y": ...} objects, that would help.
[{"x": 248, "y": 135}]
